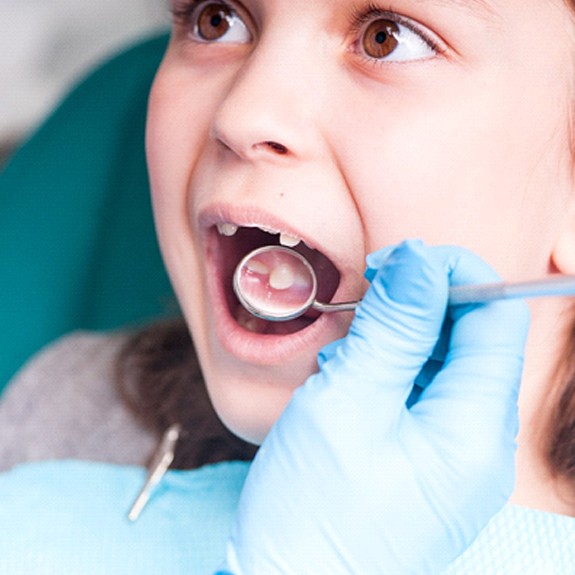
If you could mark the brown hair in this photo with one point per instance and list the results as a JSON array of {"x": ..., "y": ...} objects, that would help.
[
  {"x": 561, "y": 429},
  {"x": 560, "y": 450},
  {"x": 160, "y": 381}
]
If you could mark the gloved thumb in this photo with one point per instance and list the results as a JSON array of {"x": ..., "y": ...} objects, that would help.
[{"x": 396, "y": 325}]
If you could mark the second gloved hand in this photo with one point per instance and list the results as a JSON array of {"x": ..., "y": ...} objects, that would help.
[{"x": 350, "y": 479}]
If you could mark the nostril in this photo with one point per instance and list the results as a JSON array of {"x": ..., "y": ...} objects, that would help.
[{"x": 276, "y": 147}]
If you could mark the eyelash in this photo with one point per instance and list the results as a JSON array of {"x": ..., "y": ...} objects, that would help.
[
  {"x": 185, "y": 15},
  {"x": 182, "y": 10},
  {"x": 360, "y": 18}
]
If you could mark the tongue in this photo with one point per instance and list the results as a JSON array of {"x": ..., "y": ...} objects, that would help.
[{"x": 276, "y": 283}]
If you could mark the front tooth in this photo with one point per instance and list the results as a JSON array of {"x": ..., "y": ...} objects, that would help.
[
  {"x": 289, "y": 241},
  {"x": 227, "y": 229}
]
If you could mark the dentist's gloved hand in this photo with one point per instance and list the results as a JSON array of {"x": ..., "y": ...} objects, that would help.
[{"x": 350, "y": 480}]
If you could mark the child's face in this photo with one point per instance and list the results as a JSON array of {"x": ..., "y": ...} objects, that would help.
[{"x": 352, "y": 127}]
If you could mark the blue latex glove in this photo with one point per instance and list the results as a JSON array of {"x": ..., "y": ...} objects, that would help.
[{"x": 350, "y": 480}]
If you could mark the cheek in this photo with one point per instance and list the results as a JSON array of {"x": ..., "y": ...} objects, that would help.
[
  {"x": 176, "y": 127},
  {"x": 173, "y": 142},
  {"x": 178, "y": 123},
  {"x": 464, "y": 175}
]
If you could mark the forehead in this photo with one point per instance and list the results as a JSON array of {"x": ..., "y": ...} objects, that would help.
[
  {"x": 479, "y": 7},
  {"x": 491, "y": 11},
  {"x": 488, "y": 8}
]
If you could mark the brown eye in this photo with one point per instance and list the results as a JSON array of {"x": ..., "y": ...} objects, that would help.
[
  {"x": 380, "y": 38},
  {"x": 213, "y": 22},
  {"x": 217, "y": 22}
]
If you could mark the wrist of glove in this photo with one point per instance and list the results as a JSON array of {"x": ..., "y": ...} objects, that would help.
[{"x": 356, "y": 477}]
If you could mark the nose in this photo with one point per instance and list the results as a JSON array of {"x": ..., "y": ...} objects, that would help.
[{"x": 267, "y": 107}]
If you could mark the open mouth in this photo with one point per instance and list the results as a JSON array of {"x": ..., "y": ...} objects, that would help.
[{"x": 234, "y": 242}]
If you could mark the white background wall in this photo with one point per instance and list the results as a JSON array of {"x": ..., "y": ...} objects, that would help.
[{"x": 46, "y": 44}]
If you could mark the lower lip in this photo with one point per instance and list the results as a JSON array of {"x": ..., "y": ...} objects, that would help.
[{"x": 263, "y": 349}]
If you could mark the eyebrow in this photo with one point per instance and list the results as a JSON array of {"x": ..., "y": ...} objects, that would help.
[{"x": 483, "y": 8}]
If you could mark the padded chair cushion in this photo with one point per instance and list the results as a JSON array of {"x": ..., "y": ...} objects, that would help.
[{"x": 77, "y": 244}]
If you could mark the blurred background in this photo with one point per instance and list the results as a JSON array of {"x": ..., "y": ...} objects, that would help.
[
  {"x": 77, "y": 243},
  {"x": 46, "y": 45}
]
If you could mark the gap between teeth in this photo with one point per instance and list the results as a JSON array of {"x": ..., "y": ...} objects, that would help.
[{"x": 228, "y": 229}]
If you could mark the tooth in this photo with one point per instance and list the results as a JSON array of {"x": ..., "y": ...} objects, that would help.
[
  {"x": 227, "y": 229},
  {"x": 282, "y": 277},
  {"x": 289, "y": 241},
  {"x": 257, "y": 267},
  {"x": 249, "y": 322}
]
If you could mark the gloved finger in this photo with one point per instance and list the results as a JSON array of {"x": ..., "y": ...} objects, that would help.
[
  {"x": 396, "y": 326},
  {"x": 430, "y": 369},
  {"x": 328, "y": 351},
  {"x": 476, "y": 391},
  {"x": 424, "y": 377},
  {"x": 375, "y": 261},
  {"x": 438, "y": 355}
]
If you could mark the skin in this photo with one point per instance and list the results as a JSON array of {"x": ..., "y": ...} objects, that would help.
[{"x": 466, "y": 144}]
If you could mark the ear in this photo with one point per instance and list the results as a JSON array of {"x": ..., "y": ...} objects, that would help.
[{"x": 563, "y": 255}]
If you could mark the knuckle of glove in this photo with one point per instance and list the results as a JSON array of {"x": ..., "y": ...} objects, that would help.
[{"x": 407, "y": 298}]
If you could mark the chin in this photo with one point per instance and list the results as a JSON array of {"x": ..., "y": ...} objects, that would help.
[{"x": 249, "y": 405}]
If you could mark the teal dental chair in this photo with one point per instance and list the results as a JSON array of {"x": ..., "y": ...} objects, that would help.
[{"x": 77, "y": 245}]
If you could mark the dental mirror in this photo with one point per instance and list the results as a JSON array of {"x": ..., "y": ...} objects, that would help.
[{"x": 277, "y": 283}]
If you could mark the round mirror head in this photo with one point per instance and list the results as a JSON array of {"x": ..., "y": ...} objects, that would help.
[{"x": 275, "y": 283}]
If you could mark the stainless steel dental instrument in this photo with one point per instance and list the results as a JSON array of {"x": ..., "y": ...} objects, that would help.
[
  {"x": 277, "y": 283},
  {"x": 157, "y": 469}
]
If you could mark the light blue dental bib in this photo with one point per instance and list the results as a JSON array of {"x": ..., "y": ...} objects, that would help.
[{"x": 70, "y": 517}]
